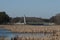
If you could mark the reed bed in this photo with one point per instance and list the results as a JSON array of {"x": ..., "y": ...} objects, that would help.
[
  {"x": 55, "y": 30},
  {"x": 32, "y": 38},
  {"x": 31, "y": 28}
]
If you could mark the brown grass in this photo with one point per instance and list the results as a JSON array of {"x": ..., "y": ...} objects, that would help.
[{"x": 29, "y": 28}]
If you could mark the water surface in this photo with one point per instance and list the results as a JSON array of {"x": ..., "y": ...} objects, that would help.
[{"x": 5, "y": 32}]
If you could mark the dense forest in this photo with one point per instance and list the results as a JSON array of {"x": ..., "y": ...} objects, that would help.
[{"x": 5, "y": 19}]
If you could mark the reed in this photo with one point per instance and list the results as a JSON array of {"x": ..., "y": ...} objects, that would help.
[{"x": 29, "y": 28}]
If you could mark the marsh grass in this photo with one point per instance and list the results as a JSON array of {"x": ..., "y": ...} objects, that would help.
[{"x": 55, "y": 30}]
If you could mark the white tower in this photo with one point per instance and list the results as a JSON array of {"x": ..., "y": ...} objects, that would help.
[{"x": 24, "y": 19}]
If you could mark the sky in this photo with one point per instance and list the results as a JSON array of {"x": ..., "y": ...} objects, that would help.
[{"x": 31, "y": 8}]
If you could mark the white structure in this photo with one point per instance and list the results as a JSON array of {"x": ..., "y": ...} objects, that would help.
[
  {"x": 23, "y": 22},
  {"x": 24, "y": 19}
]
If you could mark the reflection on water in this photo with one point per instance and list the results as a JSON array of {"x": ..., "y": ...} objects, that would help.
[
  {"x": 33, "y": 34},
  {"x": 4, "y": 32}
]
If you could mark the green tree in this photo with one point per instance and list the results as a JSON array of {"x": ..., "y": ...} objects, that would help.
[
  {"x": 4, "y": 18},
  {"x": 55, "y": 19},
  {"x": 52, "y": 19}
]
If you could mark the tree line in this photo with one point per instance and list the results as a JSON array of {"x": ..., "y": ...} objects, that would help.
[{"x": 5, "y": 19}]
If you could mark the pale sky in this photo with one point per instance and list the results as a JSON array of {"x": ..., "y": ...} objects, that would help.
[{"x": 31, "y": 8}]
